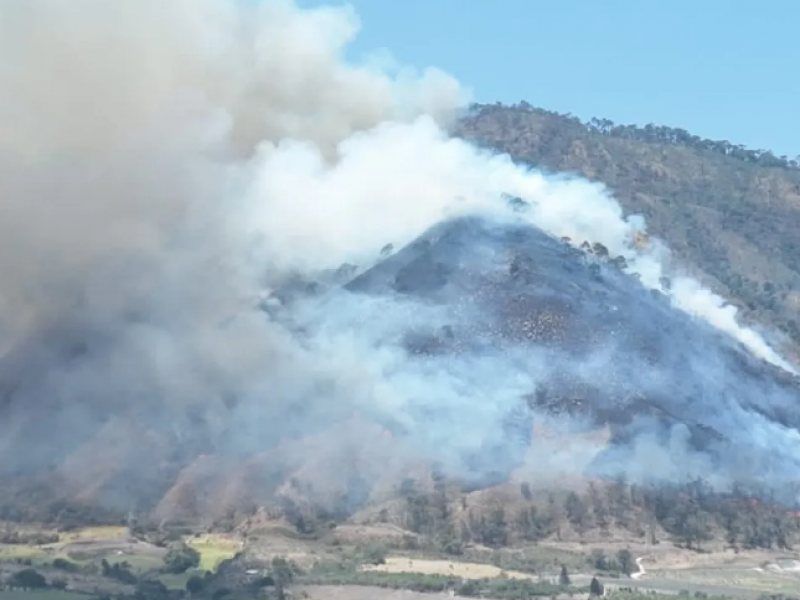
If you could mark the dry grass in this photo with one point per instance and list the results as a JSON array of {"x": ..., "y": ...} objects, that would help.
[
  {"x": 446, "y": 568},
  {"x": 360, "y": 533},
  {"x": 94, "y": 533},
  {"x": 12, "y": 551}
]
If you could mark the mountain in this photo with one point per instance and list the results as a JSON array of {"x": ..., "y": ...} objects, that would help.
[
  {"x": 535, "y": 331},
  {"x": 728, "y": 214},
  {"x": 601, "y": 344},
  {"x": 483, "y": 353}
]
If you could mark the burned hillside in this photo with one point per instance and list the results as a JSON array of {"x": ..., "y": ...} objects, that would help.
[
  {"x": 613, "y": 350},
  {"x": 555, "y": 333},
  {"x": 219, "y": 294}
]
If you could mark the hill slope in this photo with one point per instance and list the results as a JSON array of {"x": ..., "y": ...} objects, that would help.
[
  {"x": 594, "y": 342},
  {"x": 450, "y": 357},
  {"x": 480, "y": 327}
]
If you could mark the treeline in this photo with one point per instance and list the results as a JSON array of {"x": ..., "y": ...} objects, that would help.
[
  {"x": 20, "y": 503},
  {"x": 687, "y": 515},
  {"x": 660, "y": 134},
  {"x": 35, "y": 538},
  {"x": 516, "y": 589}
]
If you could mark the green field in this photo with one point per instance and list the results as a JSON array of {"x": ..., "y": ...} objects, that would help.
[
  {"x": 213, "y": 550},
  {"x": 12, "y": 551},
  {"x": 745, "y": 582}
]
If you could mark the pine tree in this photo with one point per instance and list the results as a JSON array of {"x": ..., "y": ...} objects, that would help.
[
  {"x": 563, "y": 578},
  {"x": 595, "y": 588}
]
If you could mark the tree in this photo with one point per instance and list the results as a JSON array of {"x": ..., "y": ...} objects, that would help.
[
  {"x": 469, "y": 588},
  {"x": 625, "y": 560},
  {"x": 599, "y": 507},
  {"x": 619, "y": 502},
  {"x": 59, "y": 583},
  {"x": 555, "y": 514},
  {"x": 600, "y": 561},
  {"x": 375, "y": 554},
  {"x": 118, "y": 571},
  {"x": 496, "y": 531},
  {"x": 492, "y": 529},
  {"x": 596, "y": 588},
  {"x": 525, "y": 490},
  {"x": 29, "y": 579},
  {"x": 63, "y": 564},
  {"x": 180, "y": 558},
  {"x": 282, "y": 574},
  {"x": 563, "y": 578},
  {"x": 600, "y": 250},
  {"x": 195, "y": 585},
  {"x": 577, "y": 512},
  {"x": 151, "y": 589}
]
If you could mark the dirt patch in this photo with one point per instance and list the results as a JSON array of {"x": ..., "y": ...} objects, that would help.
[
  {"x": 122, "y": 547},
  {"x": 94, "y": 534},
  {"x": 304, "y": 553},
  {"x": 355, "y": 592},
  {"x": 389, "y": 534},
  {"x": 446, "y": 568}
]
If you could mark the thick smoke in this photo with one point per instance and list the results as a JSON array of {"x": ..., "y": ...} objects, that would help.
[
  {"x": 132, "y": 129},
  {"x": 166, "y": 166}
]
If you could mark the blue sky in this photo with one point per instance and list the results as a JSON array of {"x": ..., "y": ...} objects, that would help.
[{"x": 723, "y": 69}]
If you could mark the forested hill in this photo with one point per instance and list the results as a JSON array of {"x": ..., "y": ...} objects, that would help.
[{"x": 729, "y": 212}]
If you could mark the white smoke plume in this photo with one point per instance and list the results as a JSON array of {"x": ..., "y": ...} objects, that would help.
[
  {"x": 128, "y": 122},
  {"x": 165, "y": 162}
]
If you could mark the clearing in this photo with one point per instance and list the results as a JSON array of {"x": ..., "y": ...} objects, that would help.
[
  {"x": 214, "y": 548},
  {"x": 114, "y": 544}
]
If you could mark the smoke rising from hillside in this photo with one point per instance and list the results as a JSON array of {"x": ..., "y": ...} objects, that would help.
[{"x": 166, "y": 164}]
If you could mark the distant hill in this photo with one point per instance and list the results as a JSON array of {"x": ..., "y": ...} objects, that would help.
[{"x": 728, "y": 212}]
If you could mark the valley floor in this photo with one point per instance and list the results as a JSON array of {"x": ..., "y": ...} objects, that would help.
[{"x": 364, "y": 569}]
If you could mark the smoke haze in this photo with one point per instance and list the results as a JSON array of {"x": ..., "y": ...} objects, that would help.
[{"x": 167, "y": 167}]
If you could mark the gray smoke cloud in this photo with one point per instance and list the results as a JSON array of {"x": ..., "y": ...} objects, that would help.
[{"x": 167, "y": 166}]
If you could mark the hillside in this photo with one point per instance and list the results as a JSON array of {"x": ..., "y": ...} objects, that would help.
[
  {"x": 455, "y": 354},
  {"x": 266, "y": 316},
  {"x": 537, "y": 335},
  {"x": 728, "y": 214},
  {"x": 499, "y": 391}
]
